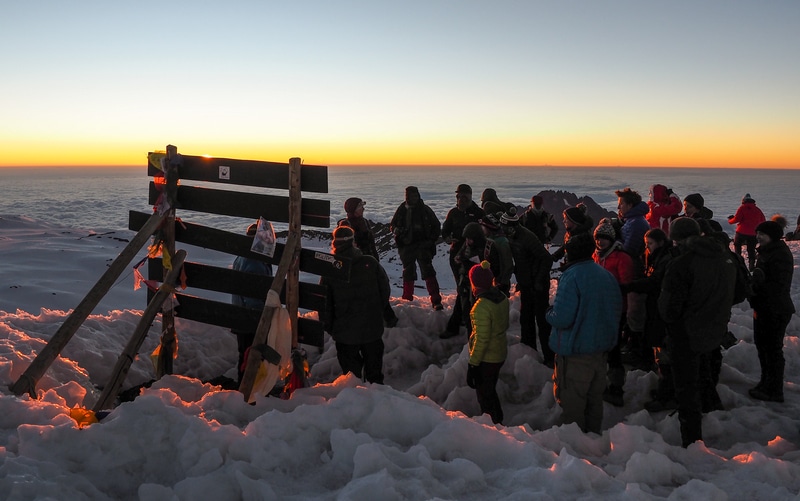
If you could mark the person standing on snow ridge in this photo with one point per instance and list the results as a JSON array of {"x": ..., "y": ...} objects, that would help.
[
  {"x": 488, "y": 346},
  {"x": 694, "y": 207},
  {"x": 416, "y": 230},
  {"x": 664, "y": 207},
  {"x": 695, "y": 302},
  {"x": 576, "y": 221},
  {"x": 539, "y": 221},
  {"x": 772, "y": 308},
  {"x": 364, "y": 239},
  {"x": 244, "y": 339},
  {"x": 466, "y": 211},
  {"x": 354, "y": 312},
  {"x": 747, "y": 217},
  {"x": 585, "y": 318}
]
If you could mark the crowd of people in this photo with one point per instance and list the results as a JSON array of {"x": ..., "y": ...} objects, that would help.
[{"x": 651, "y": 288}]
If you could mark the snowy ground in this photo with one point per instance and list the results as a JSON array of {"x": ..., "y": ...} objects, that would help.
[{"x": 417, "y": 437}]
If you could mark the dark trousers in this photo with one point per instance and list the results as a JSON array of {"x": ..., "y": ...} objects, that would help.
[
  {"x": 749, "y": 241},
  {"x": 692, "y": 374},
  {"x": 769, "y": 329},
  {"x": 532, "y": 318},
  {"x": 486, "y": 390},
  {"x": 417, "y": 253},
  {"x": 363, "y": 360},
  {"x": 243, "y": 341}
]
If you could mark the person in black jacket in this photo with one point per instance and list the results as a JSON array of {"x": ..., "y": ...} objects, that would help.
[
  {"x": 539, "y": 221},
  {"x": 772, "y": 308},
  {"x": 695, "y": 302},
  {"x": 466, "y": 211},
  {"x": 364, "y": 239},
  {"x": 532, "y": 265},
  {"x": 353, "y": 316},
  {"x": 576, "y": 221},
  {"x": 416, "y": 230},
  {"x": 658, "y": 254}
]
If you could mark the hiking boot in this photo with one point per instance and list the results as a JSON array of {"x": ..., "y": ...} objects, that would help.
[
  {"x": 438, "y": 307},
  {"x": 613, "y": 395},
  {"x": 762, "y": 394},
  {"x": 660, "y": 405}
]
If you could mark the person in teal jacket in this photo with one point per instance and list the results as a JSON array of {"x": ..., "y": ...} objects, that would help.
[
  {"x": 585, "y": 318},
  {"x": 487, "y": 342}
]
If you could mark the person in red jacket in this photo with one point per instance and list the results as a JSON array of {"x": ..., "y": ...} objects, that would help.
[
  {"x": 610, "y": 255},
  {"x": 664, "y": 207},
  {"x": 747, "y": 217}
]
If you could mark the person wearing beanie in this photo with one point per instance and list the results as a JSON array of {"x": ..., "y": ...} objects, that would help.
[
  {"x": 747, "y": 217},
  {"x": 695, "y": 302},
  {"x": 664, "y": 205},
  {"x": 466, "y": 211},
  {"x": 611, "y": 256},
  {"x": 576, "y": 221},
  {"x": 539, "y": 221},
  {"x": 694, "y": 207},
  {"x": 416, "y": 229},
  {"x": 354, "y": 312},
  {"x": 491, "y": 204},
  {"x": 244, "y": 338},
  {"x": 585, "y": 320},
  {"x": 532, "y": 265},
  {"x": 488, "y": 346},
  {"x": 364, "y": 239},
  {"x": 496, "y": 239},
  {"x": 772, "y": 308},
  {"x": 658, "y": 255}
]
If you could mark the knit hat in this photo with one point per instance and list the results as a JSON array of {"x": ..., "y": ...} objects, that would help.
[
  {"x": 537, "y": 201},
  {"x": 696, "y": 200},
  {"x": 490, "y": 221},
  {"x": 472, "y": 230},
  {"x": 351, "y": 204},
  {"x": 464, "y": 188},
  {"x": 605, "y": 230},
  {"x": 412, "y": 190},
  {"x": 342, "y": 238},
  {"x": 481, "y": 276},
  {"x": 683, "y": 227},
  {"x": 747, "y": 199},
  {"x": 772, "y": 229},
  {"x": 580, "y": 246},
  {"x": 510, "y": 217},
  {"x": 251, "y": 230},
  {"x": 576, "y": 214}
]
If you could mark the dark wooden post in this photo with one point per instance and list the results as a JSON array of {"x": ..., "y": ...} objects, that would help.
[
  {"x": 293, "y": 278},
  {"x": 166, "y": 351},
  {"x": 125, "y": 359}
]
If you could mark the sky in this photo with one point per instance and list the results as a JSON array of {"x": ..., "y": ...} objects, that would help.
[
  {"x": 461, "y": 82},
  {"x": 420, "y": 436}
]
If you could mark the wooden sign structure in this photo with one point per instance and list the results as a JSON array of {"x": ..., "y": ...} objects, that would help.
[{"x": 177, "y": 171}]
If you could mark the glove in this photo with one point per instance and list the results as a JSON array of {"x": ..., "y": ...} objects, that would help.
[{"x": 473, "y": 375}]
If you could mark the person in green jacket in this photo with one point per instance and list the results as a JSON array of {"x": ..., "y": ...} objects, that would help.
[{"x": 487, "y": 341}]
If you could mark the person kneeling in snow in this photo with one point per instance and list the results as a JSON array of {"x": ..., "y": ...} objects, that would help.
[
  {"x": 487, "y": 342},
  {"x": 585, "y": 318}
]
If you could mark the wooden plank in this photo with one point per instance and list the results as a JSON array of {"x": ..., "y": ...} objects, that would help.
[
  {"x": 314, "y": 213},
  {"x": 139, "y": 334},
  {"x": 311, "y": 261},
  {"x": 166, "y": 350},
  {"x": 249, "y": 173},
  {"x": 28, "y": 380},
  {"x": 293, "y": 275},
  {"x": 228, "y": 281},
  {"x": 230, "y": 316}
]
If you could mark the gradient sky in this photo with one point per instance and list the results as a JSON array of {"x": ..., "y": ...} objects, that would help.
[{"x": 628, "y": 82}]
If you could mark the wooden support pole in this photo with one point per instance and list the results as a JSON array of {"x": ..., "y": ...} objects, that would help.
[
  {"x": 166, "y": 351},
  {"x": 28, "y": 380},
  {"x": 126, "y": 358},
  {"x": 293, "y": 278}
]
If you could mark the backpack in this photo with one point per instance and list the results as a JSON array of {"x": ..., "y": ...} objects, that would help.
[{"x": 744, "y": 280}]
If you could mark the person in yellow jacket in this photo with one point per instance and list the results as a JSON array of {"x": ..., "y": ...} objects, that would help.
[{"x": 487, "y": 341}]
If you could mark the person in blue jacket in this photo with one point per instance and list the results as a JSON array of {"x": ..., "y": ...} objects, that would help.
[
  {"x": 244, "y": 338},
  {"x": 585, "y": 318}
]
